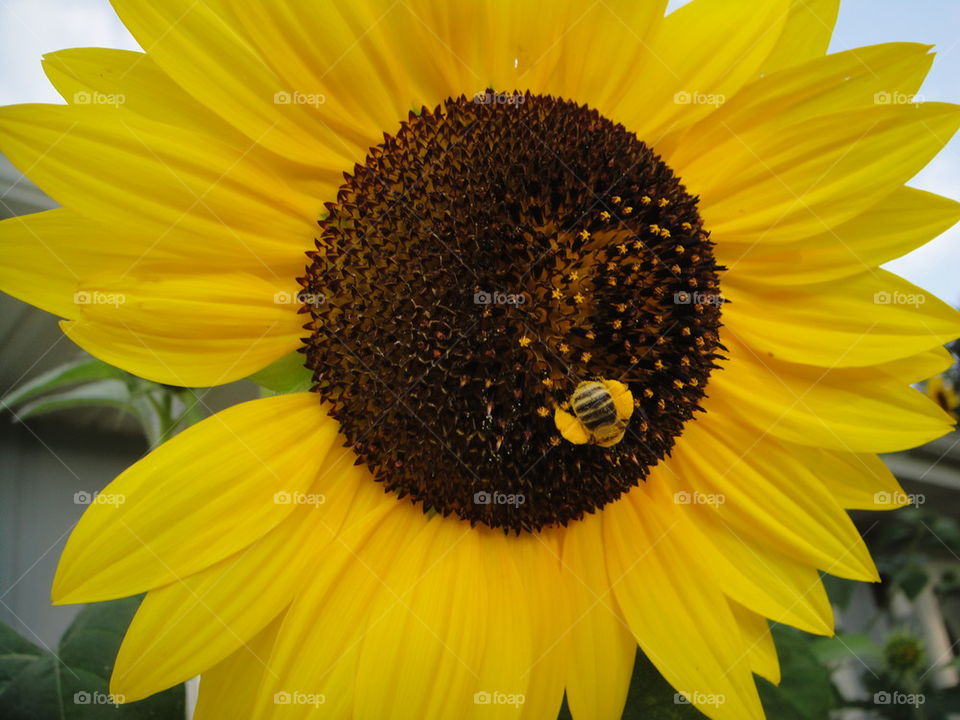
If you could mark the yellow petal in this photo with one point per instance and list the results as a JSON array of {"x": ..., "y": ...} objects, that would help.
[
  {"x": 760, "y": 650},
  {"x": 822, "y": 86},
  {"x": 706, "y": 49},
  {"x": 806, "y": 34},
  {"x": 598, "y": 629},
  {"x": 847, "y": 409},
  {"x": 672, "y": 613},
  {"x": 194, "y": 330},
  {"x": 901, "y": 222},
  {"x": 860, "y": 481},
  {"x": 184, "y": 628},
  {"x": 207, "y": 493},
  {"x": 131, "y": 80},
  {"x": 200, "y": 48},
  {"x": 43, "y": 262},
  {"x": 122, "y": 169},
  {"x": 228, "y": 689},
  {"x": 751, "y": 572},
  {"x": 873, "y": 317},
  {"x": 538, "y": 559},
  {"x": 807, "y": 178},
  {"x": 767, "y": 492},
  {"x": 319, "y": 644}
]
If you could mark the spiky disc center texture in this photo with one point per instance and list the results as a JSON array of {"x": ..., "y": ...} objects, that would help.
[{"x": 482, "y": 262}]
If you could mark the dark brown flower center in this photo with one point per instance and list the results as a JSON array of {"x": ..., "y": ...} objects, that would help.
[{"x": 482, "y": 263}]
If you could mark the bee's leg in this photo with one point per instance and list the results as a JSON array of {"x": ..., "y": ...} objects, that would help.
[
  {"x": 570, "y": 428},
  {"x": 622, "y": 398}
]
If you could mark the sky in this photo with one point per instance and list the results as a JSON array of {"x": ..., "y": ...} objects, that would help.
[{"x": 30, "y": 28}]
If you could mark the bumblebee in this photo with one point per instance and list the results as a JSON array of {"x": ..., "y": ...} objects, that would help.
[{"x": 601, "y": 411}]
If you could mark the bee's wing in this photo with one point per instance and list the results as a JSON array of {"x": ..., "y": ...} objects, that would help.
[
  {"x": 570, "y": 428},
  {"x": 622, "y": 398}
]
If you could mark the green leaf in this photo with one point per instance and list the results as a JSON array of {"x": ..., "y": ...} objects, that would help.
[
  {"x": 73, "y": 684},
  {"x": 286, "y": 375},
  {"x": 912, "y": 579},
  {"x": 83, "y": 369},
  {"x": 839, "y": 590},
  {"x": 805, "y": 691},
  {"x": 842, "y": 646},
  {"x": 101, "y": 393}
]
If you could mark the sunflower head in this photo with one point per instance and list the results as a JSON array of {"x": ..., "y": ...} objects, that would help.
[{"x": 483, "y": 262}]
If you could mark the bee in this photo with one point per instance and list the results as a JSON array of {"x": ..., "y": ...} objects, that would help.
[{"x": 601, "y": 410}]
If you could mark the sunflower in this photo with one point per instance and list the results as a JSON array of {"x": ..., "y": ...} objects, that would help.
[{"x": 459, "y": 213}]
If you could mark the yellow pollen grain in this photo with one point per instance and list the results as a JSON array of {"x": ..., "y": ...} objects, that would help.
[
  {"x": 655, "y": 229},
  {"x": 621, "y": 307},
  {"x": 664, "y": 233},
  {"x": 615, "y": 199},
  {"x": 590, "y": 335},
  {"x": 542, "y": 411},
  {"x": 578, "y": 298},
  {"x": 658, "y": 364},
  {"x": 627, "y": 210},
  {"x": 557, "y": 293},
  {"x": 586, "y": 357},
  {"x": 663, "y": 202},
  {"x": 584, "y": 235},
  {"x": 564, "y": 348},
  {"x": 622, "y": 248},
  {"x": 645, "y": 200},
  {"x": 574, "y": 275},
  {"x": 548, "y": 382},
  {"x": 648, "y": 393},
  {"x": 678, "y": 384},
  {"x": 605, "y": 216},
  {"x": 680, "y": 249},
  {"x": 685, "y": 332},
  {"x": 686, "y": 226},
  {"x": 617, "y": 324},
  {"x": 525, "y": 341}
]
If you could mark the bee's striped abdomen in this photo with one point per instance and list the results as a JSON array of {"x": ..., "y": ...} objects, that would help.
[{"x": 593, "y": 405}]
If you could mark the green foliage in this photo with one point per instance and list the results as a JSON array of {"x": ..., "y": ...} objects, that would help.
[
  {"x": 286, "y": 375},
  {"x": 162, "y": 411},
  {"x": 72, "y": 683}
]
